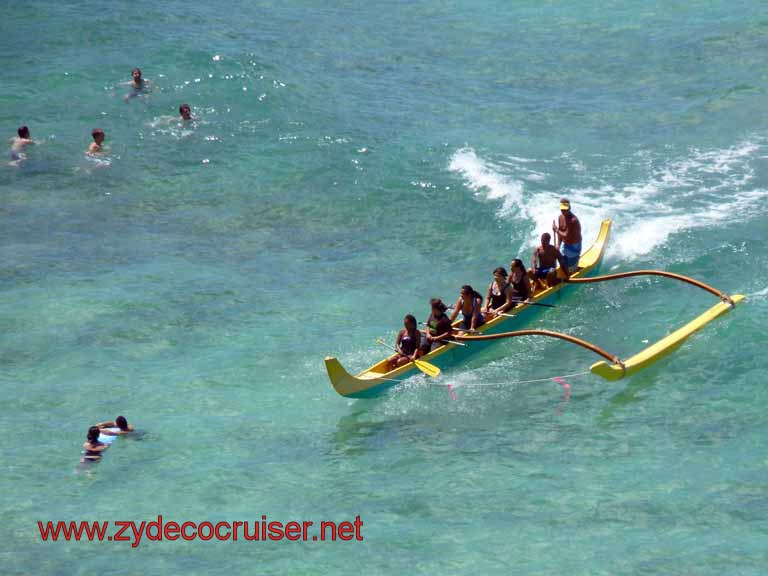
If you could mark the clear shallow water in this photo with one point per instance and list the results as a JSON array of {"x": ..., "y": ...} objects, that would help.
[{"x": 347, "y": 164}]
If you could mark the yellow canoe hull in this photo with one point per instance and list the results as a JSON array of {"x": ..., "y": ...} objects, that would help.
[
  {"x": 663, "y": 347},
  {"x": 376, "y": 379}
]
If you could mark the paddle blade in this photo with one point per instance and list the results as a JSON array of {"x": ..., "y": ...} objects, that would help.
[{"x": 427, "y": 368}]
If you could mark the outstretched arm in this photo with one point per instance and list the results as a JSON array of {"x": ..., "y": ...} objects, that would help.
[
  {"x": 509, "y": 303},
  {"x": 488, "y": 298},
  {"x": 417, "y": 349},
  {"x": 476, "y": 301},
  {"x": 442, "y": 337},
  {"x": 456, "y": 308},
  {"x": 562, "y": 228},
  {"x": 397, "y": 342}
]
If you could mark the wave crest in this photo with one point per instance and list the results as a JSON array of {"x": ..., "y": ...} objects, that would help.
[{"x": 703, "y": 189}]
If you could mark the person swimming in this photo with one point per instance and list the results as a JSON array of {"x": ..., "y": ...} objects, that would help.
[
  {"x": 92, "y": 447},
  {"x": 98, "y": 138},
  {"x": 19, "y": 144},
  {"x": 121, "y": 423},
  {"x": 186, "y": 112},
  {"x": 138, "y": 84}
]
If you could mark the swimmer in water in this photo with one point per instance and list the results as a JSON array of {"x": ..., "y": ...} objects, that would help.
[
  {"x": 185, "y": 111},
  {"x": 18, "y": 144},
  {"x": 98, "y": 138},
  {"x": 92, "y": 448},
  {"x": 119, "y": 422},
  {"x": 138, "y": 84}
]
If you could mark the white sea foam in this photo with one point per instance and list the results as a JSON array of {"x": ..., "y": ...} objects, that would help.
[
  {"x": 706, "y": 188},
  {"x": 759, "y": 294},
  {"x": 486, "y": 180}
]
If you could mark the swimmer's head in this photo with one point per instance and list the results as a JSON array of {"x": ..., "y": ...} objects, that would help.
[
  {"x": 121, "y": 422},
  {"x": 93, "y": 433},
  {"x": 98, "y": 135},
  {"x": 23, "y": 132},
  {"x": 136, "y": 73},
  {"x": 185, "y": 111}
]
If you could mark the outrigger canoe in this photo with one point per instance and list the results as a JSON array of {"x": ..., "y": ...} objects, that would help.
[{"x": 377, "y": 379}]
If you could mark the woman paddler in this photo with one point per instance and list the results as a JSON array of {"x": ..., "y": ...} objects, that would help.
[
  {"x": 439, "y": 328},
  {"x": 470, "y": 304},
  {"x": 499, "y": 297},
  {"x": 407, "y": 344},
  {"x": 519, "y": 281}
]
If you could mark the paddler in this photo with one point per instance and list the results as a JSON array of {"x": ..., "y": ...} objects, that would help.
[
  {"x": 439, "y": 328},
  {"x": 519, "y": 281},
  {"x": 407, "y": 344},
  {"x": 499, "y": 297},
  {"x": 543, "y": 270},
  {"x": 470, "y": 304},
  {"x": 568, "y": 235}
]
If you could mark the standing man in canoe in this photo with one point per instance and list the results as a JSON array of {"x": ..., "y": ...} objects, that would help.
[{"x": 568, "y": 235}]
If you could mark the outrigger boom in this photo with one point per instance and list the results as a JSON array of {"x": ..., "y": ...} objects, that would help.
[{"x": 378, "y": 378}]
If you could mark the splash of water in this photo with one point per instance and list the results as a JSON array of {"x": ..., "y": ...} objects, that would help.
[{"x": 704, "y": 189}]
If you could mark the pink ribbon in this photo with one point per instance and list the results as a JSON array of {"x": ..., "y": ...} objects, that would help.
[{"x": 565, "y": 385}]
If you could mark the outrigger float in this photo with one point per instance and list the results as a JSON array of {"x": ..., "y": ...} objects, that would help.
[{"x": 377, "y": 379}]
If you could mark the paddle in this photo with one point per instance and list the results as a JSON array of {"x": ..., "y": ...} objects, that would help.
[
  {"x": 505, "y": 314},
  {"x": 426, "y": 367},
  {"x": 535, "y": 303},
  {"x": 555, "y": 231}
]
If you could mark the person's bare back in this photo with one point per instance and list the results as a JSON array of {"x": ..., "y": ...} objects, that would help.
[{"x": 19, "y": 144}]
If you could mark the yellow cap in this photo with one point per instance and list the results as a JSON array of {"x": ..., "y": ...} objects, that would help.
[{"x": 565, "y": 205}]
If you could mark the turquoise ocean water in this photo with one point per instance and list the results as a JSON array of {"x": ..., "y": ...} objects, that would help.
[{"x": 349, "y": 161}]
